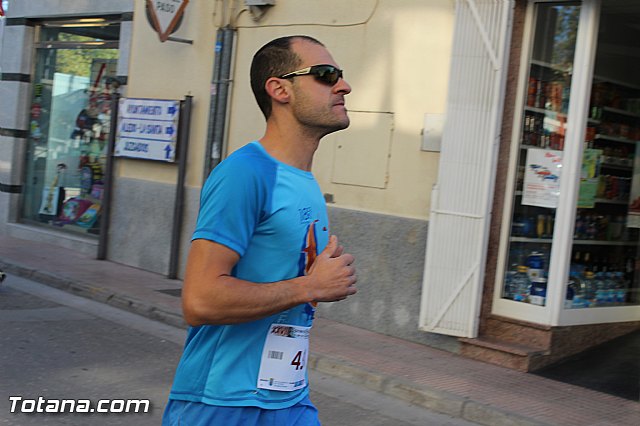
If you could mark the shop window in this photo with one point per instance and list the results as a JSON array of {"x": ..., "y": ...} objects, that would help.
[
  {"x": 605, "y": 246},
  {"x": 70, "y": 114},
  {"x": 603, "y": 265},
  {"x": 540, "y": 151}
]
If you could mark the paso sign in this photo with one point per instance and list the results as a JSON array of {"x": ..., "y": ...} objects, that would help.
[
  {"x": 165, "y": 14},
  {"x": 147, "y": 129}
]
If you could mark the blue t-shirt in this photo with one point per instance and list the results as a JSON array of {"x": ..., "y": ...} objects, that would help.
[{"x": 274, "y": 216}]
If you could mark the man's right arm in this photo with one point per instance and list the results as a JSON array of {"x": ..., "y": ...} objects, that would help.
[{"x": 212, "y": 296}]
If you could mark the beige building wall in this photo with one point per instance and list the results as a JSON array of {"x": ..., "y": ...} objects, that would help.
[
  {"x": 173, "y": 70},
  {"x": 396, "y": 56}
]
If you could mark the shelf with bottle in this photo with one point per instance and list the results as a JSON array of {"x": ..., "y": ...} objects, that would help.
[
  {"x": 624, "y": 202},
  {"x": 611, "y": 138},
  {"x": 533, "y": 240},
  {"x": 601, "y": 228},
  {"x": 530, "y": 259},
  {"x": 548, "y": 87},
  {"x": 616, "y": 95},
  {"x": 601, "y": 278},
  {"x": 615, "y": 149},
  {"x": 609, "y": 166},
  {"x": 542, "y": 129},
  {"x": 596, "y": 278},
  {"x": 535, "y": 223},
  {"x": 613, "y": 189},
  {"x": 545, "y": 140},
  {"x": 615, "y": 130},
  {"x": 526, "y": 277},
  {"x": 600, "y": 289},
  {"x": 598, "y": 111},
  {"x": 547, "y": 97},
  {"x": 615, "y": 110},
  {"x": 592, "y": 228}
]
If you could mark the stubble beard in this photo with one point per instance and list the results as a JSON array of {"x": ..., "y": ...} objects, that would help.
[{"x": 322, "y": 121}]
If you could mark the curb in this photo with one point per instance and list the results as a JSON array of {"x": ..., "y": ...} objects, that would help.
[
  {"x": 431, "y": 399},
  {"x": 98, "y": 294}
]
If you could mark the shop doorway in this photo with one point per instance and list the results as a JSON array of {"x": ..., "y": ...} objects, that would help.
[{"x": 69, "y": 121}]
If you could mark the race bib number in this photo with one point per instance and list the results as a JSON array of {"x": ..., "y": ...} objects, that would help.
[{"x": 283, "y": 365}]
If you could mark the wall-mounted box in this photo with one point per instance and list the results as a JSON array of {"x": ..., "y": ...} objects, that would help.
[{"x": 432, "y": 132}]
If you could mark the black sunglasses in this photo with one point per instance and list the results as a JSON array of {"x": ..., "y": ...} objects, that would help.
[{"x": 327, "y": 74}]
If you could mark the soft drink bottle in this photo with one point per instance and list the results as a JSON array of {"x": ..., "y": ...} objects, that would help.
[
  {"x": 573, "y": 291},
  {"x": 509, "y": 288},
  {"x": 535, "y": 263},
  {"x": 538, "y": 291}
]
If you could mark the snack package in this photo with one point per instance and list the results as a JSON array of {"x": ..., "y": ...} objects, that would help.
[
  {"x": 89, "y": 217},
  {"x": 72, "y": 209}
]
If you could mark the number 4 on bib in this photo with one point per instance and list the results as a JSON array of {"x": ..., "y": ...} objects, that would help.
[{"x": 297, "y": 361}]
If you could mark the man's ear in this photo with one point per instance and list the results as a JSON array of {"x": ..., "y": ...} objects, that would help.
[{"x": 278, "y": 89}]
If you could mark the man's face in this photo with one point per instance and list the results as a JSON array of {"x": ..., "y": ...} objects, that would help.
[{"x": 317, "y": 105}]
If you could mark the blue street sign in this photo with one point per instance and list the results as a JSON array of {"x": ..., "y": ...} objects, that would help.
[{"x": 147, "y": 129}]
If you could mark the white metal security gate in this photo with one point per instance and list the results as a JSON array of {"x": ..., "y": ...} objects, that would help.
[{"x": 461, "y": 199}]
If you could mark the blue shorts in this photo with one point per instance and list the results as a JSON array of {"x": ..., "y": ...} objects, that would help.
[{"x": 187, "y": 413}]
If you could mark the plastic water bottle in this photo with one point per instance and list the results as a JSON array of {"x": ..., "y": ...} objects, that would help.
[
  {"x": 620, "y": 288},
  {"x": 509, "y": 289},
  {"x": 610, "y": 284},
  {"x": 601, "y": 289},
  {"x": 521, "y": 285}
]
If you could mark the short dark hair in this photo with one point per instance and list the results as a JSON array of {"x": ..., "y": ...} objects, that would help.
[{"x": 271, "y": 60}]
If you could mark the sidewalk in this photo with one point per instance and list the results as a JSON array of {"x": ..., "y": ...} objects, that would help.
[{"x": 431, "y": 378}]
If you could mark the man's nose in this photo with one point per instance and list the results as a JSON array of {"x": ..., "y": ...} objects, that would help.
[{"x": 342, "y": 86}]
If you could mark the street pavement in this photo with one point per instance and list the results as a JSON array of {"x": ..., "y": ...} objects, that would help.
[
  {"x": 58, "y": 346},
  {"x": 57, "y": 350},
  {"x": 425, "y": 377}
]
